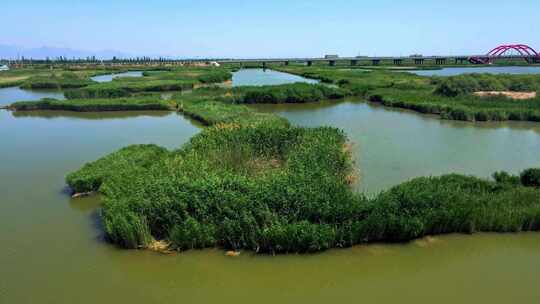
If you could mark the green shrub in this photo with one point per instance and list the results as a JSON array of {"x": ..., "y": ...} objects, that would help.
[
  {"x": 215, "y": 77},
  {"x": 531, "y": 177},
  {"x": 503, "y": 177},
  {"x": 90, "y": 177}
]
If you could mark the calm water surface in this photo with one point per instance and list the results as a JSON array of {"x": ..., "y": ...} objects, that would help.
[
  {"x": 258, "y": 77},
  {"x": 53, "y": 249},
  {"x": 110, "y": 77},
  {"x": 13, "y": 94},
  {"x": 491, "y": 70},
  {"x": 391, "y": 146}
]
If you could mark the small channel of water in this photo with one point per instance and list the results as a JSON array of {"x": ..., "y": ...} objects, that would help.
[
  {"x": 14, "y": 94},
  {"x": 259, "y": 77},
  {"x": 110, "y": 77}
]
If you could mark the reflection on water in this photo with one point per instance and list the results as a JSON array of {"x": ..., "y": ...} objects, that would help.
[
  {"x": 14, "y": 94},
  {"x": 258, "y": 77},
  {"x": 490, "y": 70},
  {"x": 86, "y": 204}
]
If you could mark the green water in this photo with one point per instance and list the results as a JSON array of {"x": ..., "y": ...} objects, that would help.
[
  {"x": 391, "y": 146},
  {"x": 258, "y": 77},
  {"x": 53, "y": 249}
]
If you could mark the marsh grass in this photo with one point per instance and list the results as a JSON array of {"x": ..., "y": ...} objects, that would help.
[
  {"x": 277, "y": 189},
  {"x": 95, "y": 105}
]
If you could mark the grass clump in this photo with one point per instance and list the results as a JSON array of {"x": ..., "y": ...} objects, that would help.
[
  {"x": 263, "y": 188},
  {"x": 449, "y": 204},
  {"x": 216, "y": 112},
  {"x": 215, "y": 76},
  {"x": 62, "y": 81},
  {"x": 94, "y": 105},
  {"x": 287, "y": 93},
  {"x": 179, "y": 79},
  {"x": 125, "y": 87},
  {"x": 133, "y": 158}
]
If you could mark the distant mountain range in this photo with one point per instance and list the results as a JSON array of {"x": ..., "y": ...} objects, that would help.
[{"x": 15, "y": 52}]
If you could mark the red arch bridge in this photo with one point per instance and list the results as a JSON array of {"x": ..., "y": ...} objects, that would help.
[{"x": 508, "y": 51}]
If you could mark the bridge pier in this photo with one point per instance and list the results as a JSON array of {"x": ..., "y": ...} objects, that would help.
[
  {"x": 354, "y": 62},
  {"x": 419, "y": 61},
  {"x": 398, "y": 61},
  {"x": 440, "y": 61},
  {"x": 332, "y": 63},
  {"x": 286, "y": 62},
  {"x": 264, "y": 64},
  {"x": 461, "y": 60},
  {"x": 309, "y": 63},
  {"x": 375, "y": 61}
]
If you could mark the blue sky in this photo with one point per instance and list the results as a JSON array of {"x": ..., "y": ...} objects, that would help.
[{"x": 277, "y": 28}]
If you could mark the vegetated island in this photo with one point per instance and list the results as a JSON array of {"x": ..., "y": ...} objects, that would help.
[
  {"x": 263, "y": 185},
  {"x": 252, "y": 181}
]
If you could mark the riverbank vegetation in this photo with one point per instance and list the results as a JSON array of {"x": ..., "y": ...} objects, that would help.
[
  {"x": 449, "y": 97},
  {"x": 152, "y": 81},
  {"x": 19, "y": 76},
  {"x": 287, "y": 93},
  {"x": 95, "y": 105},
  {"x": 66, "y": 80}
]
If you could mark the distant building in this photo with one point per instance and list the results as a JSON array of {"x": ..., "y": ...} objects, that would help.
[
  {"x": 331, "y": 56},
  {"x": 4, "y": 68},
  {"x": 215, "y": 64}
]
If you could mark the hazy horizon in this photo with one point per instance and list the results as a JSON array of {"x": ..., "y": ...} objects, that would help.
[{"x": 248, "y": 29}]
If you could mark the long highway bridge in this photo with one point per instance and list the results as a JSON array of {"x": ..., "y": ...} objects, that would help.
[{"x": 502, "y": 52}]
